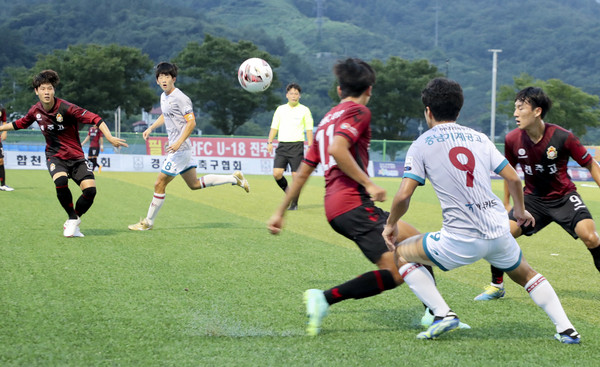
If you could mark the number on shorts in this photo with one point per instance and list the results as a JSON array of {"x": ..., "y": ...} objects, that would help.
[{"x": 578, "y": 204}]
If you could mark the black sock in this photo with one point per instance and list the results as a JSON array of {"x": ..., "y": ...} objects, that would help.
[
  {"x": 282, "y": 182},
  {"x": 2, "y": 175},
  {"x": 365, "y": 285},
  {"x": 85, "y": 201},
  {"x": 64, "y": 196},
  {"x": 497, "y": 275},
  {"x": 596, "y": 255}
]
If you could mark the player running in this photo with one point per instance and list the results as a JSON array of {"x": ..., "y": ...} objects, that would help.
[
  {"x": 178, "y": 116},
  {"x": 94, "y": 136},
  {"x": 543, "y": 151},
  {"x": 58, "y": 121},
  {"x": 457, "y": 161}
]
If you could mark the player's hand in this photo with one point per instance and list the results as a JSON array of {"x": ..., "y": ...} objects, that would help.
[
  {"x": 377, "y": 193},
  {"x": 275, "y": 224},
  {"x": 390, "y": 234},
  {"x": 173, "y": 147},
  {"x": 524, "y": 219},
  {"x": 116, "y": 142},
  {"x": 146, "y": 133},
  {"x": 270, "y": 148},
  {"x": 102, "y": 148}
]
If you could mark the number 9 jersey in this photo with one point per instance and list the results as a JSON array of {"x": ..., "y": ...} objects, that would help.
[{"x": 458, "y": 160}]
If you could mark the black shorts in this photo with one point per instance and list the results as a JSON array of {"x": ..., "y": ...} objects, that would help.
[
  {"x": 566, "y": 212},
  {"x": 1, "y": 149},
  {"x": 77, "y": 170},
  {"x": 93, "y": 152},
  {"x": 289, "y": 153},
  {"x": 364, "y": 225}
]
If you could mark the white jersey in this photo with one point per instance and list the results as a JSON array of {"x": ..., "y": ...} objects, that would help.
[
  {"x": 176, "y": 109},
  {"x": 457, "y": 161}
]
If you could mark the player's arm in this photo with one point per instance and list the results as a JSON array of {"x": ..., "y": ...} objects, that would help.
[
  {"x": 594, "y": 169},
  {"x": 400, "y": 205},
  {"x": 87, "y": 138},
  {"x": 190, "y": 125},
  {"x": 506, "y": 198},
  {"x": 101, "y": 144},
  {"x": 275, "y": 223},
  {"x": 515, "y": 188},
  {"x": 339, "y": 149},
  {"x": 116, "y": 142},
  {"x": 309, "y": 137},
  {"x": 160, "y": 121},
  {"x": 7, "y": 127}
]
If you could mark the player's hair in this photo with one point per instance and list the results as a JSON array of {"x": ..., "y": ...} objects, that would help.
[
  {"x": 536, "y": 98},
  {"x": 166, "y": 68},
  {"x": 354, "y": 76},
  {"x": 295, "y": 86},
  {"x": 45, "y": 77},
  {"x": 444, "y": 97}
]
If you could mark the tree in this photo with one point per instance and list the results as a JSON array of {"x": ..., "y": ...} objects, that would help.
[
  {"x": 98, "y": 78},
  {"x": 572, "y": 108},
  {"x": 208, "y": 75}
]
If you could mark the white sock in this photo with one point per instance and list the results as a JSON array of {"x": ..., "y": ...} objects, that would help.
[
  {"x": 216, "y": 180},
  {"x": 421, "y": 283},
  {"x": 501, "y": 285},
  {"x": 155, "y": 205},
  {"x": 542, "y": 293}
]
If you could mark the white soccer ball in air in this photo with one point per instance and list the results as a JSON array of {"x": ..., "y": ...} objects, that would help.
[{"x": 255, "y": 75}]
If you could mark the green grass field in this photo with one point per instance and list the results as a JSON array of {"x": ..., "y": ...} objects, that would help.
[{"x": 208, "y": 286}]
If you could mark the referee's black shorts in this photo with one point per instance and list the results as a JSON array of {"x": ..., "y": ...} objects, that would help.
[{"x": 289, "y": 153}]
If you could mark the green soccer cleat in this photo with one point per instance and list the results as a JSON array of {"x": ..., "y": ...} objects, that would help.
[
  {"x": 316, "y": 310},
  {"x": 491, "y": 293},
  {"x": 440, "y": 326}
]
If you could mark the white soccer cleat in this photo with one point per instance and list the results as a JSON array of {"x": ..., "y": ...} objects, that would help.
[
  {"x": 70, "y": 227},
  {"x": 78, "y": 233},
  {"x": 241, "y": 181},
  {"x": 142, "y": 225},
  {"x": 6, "y": 188}
]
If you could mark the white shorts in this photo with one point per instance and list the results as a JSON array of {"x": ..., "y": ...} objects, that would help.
[
  {"x": 177, "y": 163},
  {"x": 450, "y": 251}
]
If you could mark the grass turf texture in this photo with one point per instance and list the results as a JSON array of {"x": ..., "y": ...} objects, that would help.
[{"x": 209, "y": 286}]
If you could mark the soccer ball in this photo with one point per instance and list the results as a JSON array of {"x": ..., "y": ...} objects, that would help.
[{"x": 255, "y": 75}]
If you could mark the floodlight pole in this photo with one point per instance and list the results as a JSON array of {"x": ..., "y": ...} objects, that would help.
[{"x": 493, "y": 114}]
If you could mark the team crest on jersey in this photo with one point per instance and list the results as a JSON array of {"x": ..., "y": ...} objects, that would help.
[
  {"x": 347, "y": 126},
  {"x": 59, "y": 117},
  {"x": 551, "y": 153}
]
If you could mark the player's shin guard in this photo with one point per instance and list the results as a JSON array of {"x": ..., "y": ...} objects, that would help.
[
  {"x": 596, "y": 255},
  {"x": 85, "y": 201},
  {"x": 421, "y": 283},
  {"x": 542, "y": 293},
  {"x": 282, "y": 182},
  {"x": 64, "y": 196},
  {"x": 365, "y": 285}
]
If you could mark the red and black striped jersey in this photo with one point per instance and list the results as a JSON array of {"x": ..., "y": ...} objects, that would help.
[
  {"x": 544, "y": 164},
  {"x": 60, "y": 127}
]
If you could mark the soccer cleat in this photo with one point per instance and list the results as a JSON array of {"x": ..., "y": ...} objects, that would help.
[
  {"x": 440, "y": 326},
  {"x": 142, "y": 225},
  {"x": 293, "y": 206},
  {"x": 428, "y": 318},
  {"x": 70, "y": 227},
  {"x": 241, "y": 181},
  {"x": 490, "y": 293},
  {"x": 6, "y": 188},
  {"x": 78, "y": 233},
  {"x": 568, "y": 336},
  {"x": 316, "y": 309}
]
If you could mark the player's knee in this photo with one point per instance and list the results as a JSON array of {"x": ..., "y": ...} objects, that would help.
[
  {"x": 89, "y": 193},
  {"x": 590, "y": 239},
  {"x": 61, "y": 182}
]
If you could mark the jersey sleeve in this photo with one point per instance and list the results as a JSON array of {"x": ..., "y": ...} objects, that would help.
[
  {"x": 497, "y": 160},
  {"x": 354, "y": 123},
  {"x": 414, "y": 167},
  {"x": 308, "y": 120},
  {"x": 83, "y": 116},
  {"x": 313, "y": 156},
  {"x": 276, "y": 119},
  {"x": 577, "y": 151},
  {"x": 25, "y": 121},
  {"x": 508, "y": 151}
]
